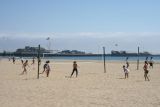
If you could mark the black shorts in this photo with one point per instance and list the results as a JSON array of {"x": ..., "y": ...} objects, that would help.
[
  {"x": 146, "y": 71},
  {"x": 75, "y": 69},
  {"x": 151, "y": 64}
]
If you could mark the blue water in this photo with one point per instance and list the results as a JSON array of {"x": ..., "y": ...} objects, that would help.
[
  {"x": 97, "y": 58},
  {"x": 109, "y": 58}
]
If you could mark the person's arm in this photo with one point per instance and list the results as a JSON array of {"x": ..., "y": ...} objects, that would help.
[{"x": 144, "y": 67}]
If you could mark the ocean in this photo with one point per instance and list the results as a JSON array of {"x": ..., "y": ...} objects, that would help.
[{"x": 99, "y": 58}]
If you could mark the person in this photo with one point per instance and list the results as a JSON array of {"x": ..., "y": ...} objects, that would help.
[
  {"x": 146, "y": 59},
  {"x": 127, "y": 63},
  {"x": 22, "y": 60},
  {"x": 46, "y": 68},
  {"x": 151, "y": 63},
  {"x": 146, "y": 71},
  {"x": 126, "y": 72},
  {"x": 13, "y": 60},
  {"x": 25, "y": 64},
  {"x": 9, "y": 58},
  {"x": 74, "y": 69},
  {"x": 33, "y": 61}
]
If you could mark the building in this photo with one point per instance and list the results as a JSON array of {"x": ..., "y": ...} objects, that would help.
[
  {"x": 71, "y": 52},
  {"x": 31, "y": 50},
  {"x": 124, "y": 53}
]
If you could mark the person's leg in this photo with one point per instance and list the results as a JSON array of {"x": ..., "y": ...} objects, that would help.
[
  {"x": 25, "y": 70},
  {"x": 127, "y": 75},
  {"x": 47, "y": 73},
  {"x": 147, "y": 77},
  {"x": 76, "y": 73},
  {"x": 72, "y": 72}
]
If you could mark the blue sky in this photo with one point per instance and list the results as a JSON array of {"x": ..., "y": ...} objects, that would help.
[{"x": 80, "y": 24}]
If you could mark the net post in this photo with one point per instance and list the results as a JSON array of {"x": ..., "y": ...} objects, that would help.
[
  {"x": 138, "y": 59},
  {"x": 38, "y": 61},
  {"x": 104, "y": 59}
]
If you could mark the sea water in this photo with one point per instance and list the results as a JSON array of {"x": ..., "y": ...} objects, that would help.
[
  {"x": 109, "y": 58},
  {"x": 96, "y": 58}
]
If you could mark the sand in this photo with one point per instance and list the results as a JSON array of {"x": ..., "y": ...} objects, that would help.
[{"x": 92, "y": 88}]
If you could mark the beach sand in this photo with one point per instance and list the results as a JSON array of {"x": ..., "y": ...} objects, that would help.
[{"x": 92, "y": 88}]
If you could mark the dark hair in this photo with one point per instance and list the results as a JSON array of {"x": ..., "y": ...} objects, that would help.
[
  {"x": 47, "y": 61},
  {"x": 145, "y": 62}
]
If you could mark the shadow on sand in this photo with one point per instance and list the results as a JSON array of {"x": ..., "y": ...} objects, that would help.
[{"x": 121, "y": 78}]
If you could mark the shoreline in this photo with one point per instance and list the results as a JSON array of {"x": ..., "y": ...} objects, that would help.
[
  {"x": 110, "y": 58},
  {"x": 81, "y": 60}
]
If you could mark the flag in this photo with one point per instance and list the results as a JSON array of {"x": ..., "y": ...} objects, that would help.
[
  {"x": 116, "y": 44},
  {"x": 48, "y": 38}
]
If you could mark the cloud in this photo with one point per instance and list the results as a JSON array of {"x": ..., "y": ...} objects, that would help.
[
  {"x": 80, "y": 34},
  {"x": 87, "y": 41},
  {"x": 25, "y": 35},
  {"x": 105, "y": 34}
]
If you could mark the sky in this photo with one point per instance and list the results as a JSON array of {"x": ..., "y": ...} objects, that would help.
[{"x": 85, "y": 25}]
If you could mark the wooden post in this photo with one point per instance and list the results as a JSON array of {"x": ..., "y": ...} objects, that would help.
[
  {"x": 38, "y": 61},
  {"x": 138, "y": 60},
  {"x": 104, "y": 59}
]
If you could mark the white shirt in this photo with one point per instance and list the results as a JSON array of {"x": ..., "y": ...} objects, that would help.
[
  {"x": 126, "y": 70},
  {"x": 48, "y": 67}
]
